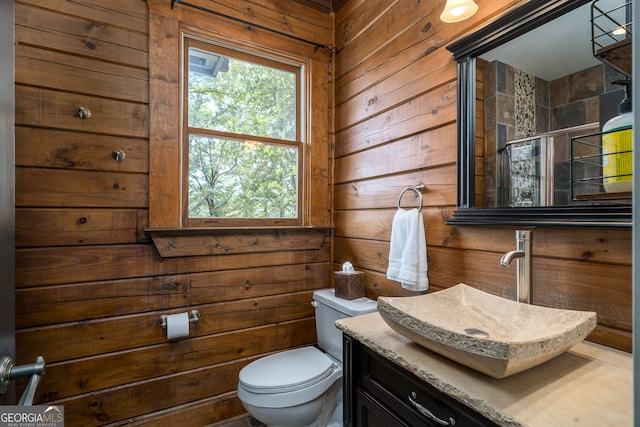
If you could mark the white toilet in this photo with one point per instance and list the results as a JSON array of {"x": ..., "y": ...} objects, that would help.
[{"x": 303, "y": 387}]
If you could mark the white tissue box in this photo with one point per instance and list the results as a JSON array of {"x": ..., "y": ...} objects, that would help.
[{"x": 349, "y": 285}]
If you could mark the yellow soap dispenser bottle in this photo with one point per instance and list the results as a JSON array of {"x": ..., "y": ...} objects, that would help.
[{"x": 617, "y": 166}]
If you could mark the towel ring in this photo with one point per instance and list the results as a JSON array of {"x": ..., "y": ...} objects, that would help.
[{"x": 418, "y": 189}]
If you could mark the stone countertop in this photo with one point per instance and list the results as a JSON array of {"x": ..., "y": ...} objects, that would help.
[{"x": 589, "y": 385}]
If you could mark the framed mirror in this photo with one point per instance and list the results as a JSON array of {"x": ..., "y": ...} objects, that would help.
[{"x": 534, "y": 92}]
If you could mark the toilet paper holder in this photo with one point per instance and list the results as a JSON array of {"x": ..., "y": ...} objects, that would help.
[{"x": 194, "y": 316}]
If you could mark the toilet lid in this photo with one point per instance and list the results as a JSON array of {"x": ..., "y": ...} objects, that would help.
[{"x": 286, "y": 371}]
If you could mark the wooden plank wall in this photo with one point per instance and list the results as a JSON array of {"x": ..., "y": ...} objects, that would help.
[
  {"x": 395, "y": 126},
  {"x": 90, "y": 285}
]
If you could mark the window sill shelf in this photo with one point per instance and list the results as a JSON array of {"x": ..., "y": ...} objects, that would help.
[{"x": 180, "y": 242}]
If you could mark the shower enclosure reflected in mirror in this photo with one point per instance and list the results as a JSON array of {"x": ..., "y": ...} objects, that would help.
[{"x": 532, "y": 101}]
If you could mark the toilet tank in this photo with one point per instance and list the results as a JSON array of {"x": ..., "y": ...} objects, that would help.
[{"x": 330, "y": 308}]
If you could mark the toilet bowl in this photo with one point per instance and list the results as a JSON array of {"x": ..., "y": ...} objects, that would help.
[
  {"x": 303, "y": 387},
  {"x": 267, "y": 392}
]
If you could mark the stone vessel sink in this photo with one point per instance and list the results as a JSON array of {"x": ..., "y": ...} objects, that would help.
[{"x": 490, "y": 334}]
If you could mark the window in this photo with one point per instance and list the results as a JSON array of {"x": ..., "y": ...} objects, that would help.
[
  {"x": 242, "y": 144},
  {"x": 170, "y": 38}
]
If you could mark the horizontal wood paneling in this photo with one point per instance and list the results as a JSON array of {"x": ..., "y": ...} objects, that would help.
[
  {"x": 79, "y": 150},
  {"x": 55, "y": 187},
  {"x": 361, "y": 21},
  {"x": 229, "y": 285},
  {"x": 419, "y": 151},
  {"x": 112, "y": 405},
  {"x": 384, "y": 192},
  {"x": 130, "y": 15},
  {"x": 38, "y": 306},
  {"x": 301, "y": 21},
  {"x": 53, "y": 109},
  {"x": 40, "y": 67},
  {"x": 42, "y": 227},
  {"x": 74, "y": 264},
  {"x": 601, "y": 246},
  {"x": 168, "y": 358},
  {"x": 435, "y": 108},
  {"x": 420, "y": 34},
  {"x": 376, "y": 225},
  {"x": 395, "y": 126},
  {"x": 405, "y": 84},
  {"x": 90, "y": 284},
  {"x": 94, "y": 300},
  {"x": 138, "y": 330},
  {"x": 91, "y": 33},
  {"x": 221, "y": 407},
  {"x": 374, "y": 25}
]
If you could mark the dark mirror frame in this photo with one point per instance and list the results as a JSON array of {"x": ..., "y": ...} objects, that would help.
[{"x": 513, "y": 24}]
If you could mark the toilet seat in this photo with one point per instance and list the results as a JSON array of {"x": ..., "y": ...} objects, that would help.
[
  {"x": 288, "y": 378},
  {"x": 286, "y": 371}
]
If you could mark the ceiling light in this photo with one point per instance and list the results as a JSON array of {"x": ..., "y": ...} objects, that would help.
[
  {"x": 619, "y": 31},
  {"x": 458, "y": 10}
]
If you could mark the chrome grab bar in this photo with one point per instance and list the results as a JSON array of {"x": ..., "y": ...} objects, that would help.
[{"x": 9, "y": 372}]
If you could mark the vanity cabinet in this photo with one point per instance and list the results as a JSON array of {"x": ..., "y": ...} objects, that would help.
[{"x": 378, "y": 392}]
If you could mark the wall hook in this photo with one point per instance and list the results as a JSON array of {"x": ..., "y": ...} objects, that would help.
[
  {"x": 118, "y": 155},
  {"x": 83, "y": 112}
]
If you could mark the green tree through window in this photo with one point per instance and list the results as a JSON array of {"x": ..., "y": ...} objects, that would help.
[{"x": 243, "y": 136}]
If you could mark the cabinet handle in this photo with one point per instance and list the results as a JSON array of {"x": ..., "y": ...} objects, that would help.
[{"x": 427, "y": 413}]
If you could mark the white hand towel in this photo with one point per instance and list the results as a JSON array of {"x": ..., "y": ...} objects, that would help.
[{"x": 408, "y": 251}]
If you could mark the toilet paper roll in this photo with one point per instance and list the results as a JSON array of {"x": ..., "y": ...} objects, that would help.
[{"x": 177, "y": 325}]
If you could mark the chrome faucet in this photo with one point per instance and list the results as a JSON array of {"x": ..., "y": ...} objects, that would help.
[{"x": 522, "y": 255}]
